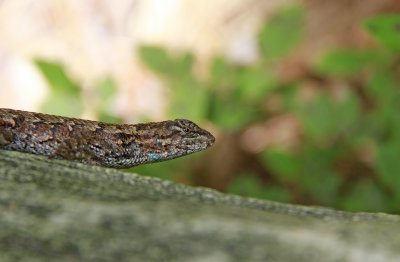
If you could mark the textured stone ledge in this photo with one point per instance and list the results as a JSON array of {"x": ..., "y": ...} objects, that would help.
[{"x": 66, "y": 211}]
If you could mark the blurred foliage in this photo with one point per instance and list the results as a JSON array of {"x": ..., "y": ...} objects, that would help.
[
  {"x": 282, "y": 33},
  {"x": 65, "y": 95},
  {"x": 348, "y": 62},
  {"x": 334, "y": 129},
  {"x": 328, "y": 167},
  {"x": 177, "y": 71},
  {"x": 249, "y": 184},
  {"x": 104, "y": 101},
  {"x": 385, "y": 28}
]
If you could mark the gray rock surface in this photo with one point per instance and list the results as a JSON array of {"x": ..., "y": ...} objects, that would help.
[{"x": 53, "y": 210}]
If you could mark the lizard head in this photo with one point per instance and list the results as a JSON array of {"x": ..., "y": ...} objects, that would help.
[
  {"x": 189, "y": 136},
  {"x": 171, "y": 139}
]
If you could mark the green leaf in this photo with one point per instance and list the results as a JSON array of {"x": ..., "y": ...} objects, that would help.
[
  {"x": 62, "y": 103},
  {"x": 347, "y": 62},
  {"x": 156, "y": 58},
  {"x": 183, "y": 65},
  {"x": 188, "y": 98},
  {"x": 248, "y": 184},
  {"x": 106, "y": 89},
  {"x": 365, "y": 196},
  {"x": 188, "y": 101},
  {"x": 318, "y": 178},
  {"x": 322, "y": 185},
  {"x": 385, "y": 29},
  {"x": 318, "y": 118},
  {"x": 222, "y": 73},
  {"x": 282, "y": 33},
  {"x": 383, "y": 87},
  {"x": 233, "y": 115},
  {"x": 233, "y": 104},
  {"x": 285, "y": 166},
  {"x": 324, "y": 117},
  {"x": 58, "y": 80},
  {"x": 388, "y": 165},
  {"x": 254, "y": 83},
  {"x": 105, "y": 94},
  {"x": 384, "y": 121},
  {"x": 288, "y": 96},
  {"x": 65, "y": 96}
]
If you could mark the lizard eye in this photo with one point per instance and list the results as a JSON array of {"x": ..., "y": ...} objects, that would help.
[{"x": 186, "y": 129}]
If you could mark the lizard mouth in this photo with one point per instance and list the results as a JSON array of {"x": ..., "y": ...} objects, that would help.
[
  {"x": 211, "y": 140},
  {"x": 206, "y": 139},
  {"x": 199, "y": 143}
]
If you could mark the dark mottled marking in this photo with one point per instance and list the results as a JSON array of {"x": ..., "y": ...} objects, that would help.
[
  {"x": 18, "y": 120},
  {"x": 173, "y": 133}
]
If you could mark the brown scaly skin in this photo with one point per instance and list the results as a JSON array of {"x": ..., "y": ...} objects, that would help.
[{"x": 97, "y": 143}]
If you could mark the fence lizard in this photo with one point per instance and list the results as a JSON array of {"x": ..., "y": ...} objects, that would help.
[{"x": 98, "y": 143}]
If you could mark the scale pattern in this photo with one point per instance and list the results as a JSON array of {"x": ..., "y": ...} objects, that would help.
[{"x": 98, "y": 143}]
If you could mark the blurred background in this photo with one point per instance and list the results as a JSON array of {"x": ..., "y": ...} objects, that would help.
[{"x": 303, "y": 97}]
